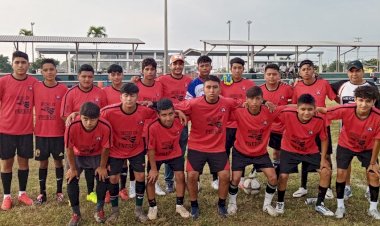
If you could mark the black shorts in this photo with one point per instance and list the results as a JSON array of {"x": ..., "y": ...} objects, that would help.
[
  {"x": 344, "y": 157},
  {"x": 217, "y": 162},
  {"x": 289, "y": 162},
  {"x": 176, "y": 164},
  {"x": 275, "y": 141},
  {"x": 85, "y": 162},
  {"x": 230, "y": 139},
  {"x": 329, "y": 147},
  {"x": 49, "y": 145},
  {"x": 137, "y": 163},
  {"x": 240, "y": 161},
  {"x": 10, "y": 143}
]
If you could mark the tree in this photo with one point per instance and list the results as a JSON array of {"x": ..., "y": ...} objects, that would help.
[
  {"x": 25, "y": 32},
  {"x": 332, "y": 66},
  {"x": 97, "y": 32},
  {"x": 5, "y": 66},
  {"x": 37, "y": 64}
]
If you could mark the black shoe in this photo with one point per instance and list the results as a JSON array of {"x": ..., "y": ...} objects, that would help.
[
  {"x": 195, "y": 212},
  {"x": 222, "y": 211}
]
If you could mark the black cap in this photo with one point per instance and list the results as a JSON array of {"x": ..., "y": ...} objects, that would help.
[
  {"x": 355, "y": 64},
  {"x": 309, "y": 62}
]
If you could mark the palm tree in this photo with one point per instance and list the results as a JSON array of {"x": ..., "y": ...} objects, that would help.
[
  {"x": 97, "y": 32},
  {"x": 25, "y": 32}
]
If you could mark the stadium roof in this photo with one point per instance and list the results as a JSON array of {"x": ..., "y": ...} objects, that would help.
[
  {"x": 290, "y": 43},
  {"x": 266, "y": 52}
]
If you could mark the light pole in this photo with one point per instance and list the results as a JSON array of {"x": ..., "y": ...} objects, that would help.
[
  {"x": 249, "y": 22},
  {"x": 166, "y": 37},
  {"x": 229, "y": 38},
  {"x": 32, "y": 24}
]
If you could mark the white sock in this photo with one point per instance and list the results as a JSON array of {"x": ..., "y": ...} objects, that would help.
[
  {"x": 7, "y": 195},
  {"x": 340, "y": 203},
  {"x": 268, "y": 198},
  {"x": 232, "y": 198},
  {"x": 348, "y": 187},
  {"x": 132, "y": 183},
  {"x": 21, "y": 192},
  {"x": 373, "y": 205},
  {"x": 367, "y": 190}
]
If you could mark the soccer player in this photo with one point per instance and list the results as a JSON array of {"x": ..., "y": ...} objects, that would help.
[
  {"x": 299, "y": 146},
  {"x": 250, "y": 147},
  {"x": 345, "y": 94},
  {"x": 209, "y": 116},
  {"x": 49, "y": 127},
  {"x": 236, "y": 90},
  {"x": 83, "y": 92},
  {"x": 87, "y": 142},
  {"x": 195, "y": 89},
  {"x": 16, "y": 127},
  {"x": 360, "y": 137},
  {"x": 279, "y": 94},
  {"x": 163, "y": 147},
  {"x": 319, "y": 89}
]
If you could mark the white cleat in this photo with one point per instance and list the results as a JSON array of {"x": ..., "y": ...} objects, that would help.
[
  {"x": 158, "y": 189},
  {"x": 329, "y": 194},
  {"x": 215, "y": 184},
  {"x": 152, "y": 213},
  {"x": 270, "y": 210},
  {"x": 340, "y": 212},
  {"x": 280, "y": 207},
  {"x": 232, "y": 208},
  {"x": 374, "y": 213},
  {"x": 182, "y": 211},
  {"x": 324, "y": 211},
  {"x": 300, "y": 192}
]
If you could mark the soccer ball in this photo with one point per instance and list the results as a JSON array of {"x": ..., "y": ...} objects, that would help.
[{"x": 251, "y": 186}]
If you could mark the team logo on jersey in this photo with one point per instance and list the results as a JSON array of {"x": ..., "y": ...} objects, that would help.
[
  {"x": 167, "y": 145},
  {"x": 265, "y": 123},
  {"x": 30, "y": 87},
  {"x": 282, "y": 97},
  {"x": 37, "y": 152},
  {"x": 369, "y": 129},
  {"x": 23, "y": 101},
  {"x": 98, "y": 138},
  {"x": 243, "y": 88},
  {"x": 318, "y": 92},
  {"x": 57, "y": 97},
  {"x": 310, "y": 132},
  {"x": 97, "y": 100},
  {"x": 216, "y": 121},
  {"x": 222, "y": 109},
  {"x": 140, "y": 123}
]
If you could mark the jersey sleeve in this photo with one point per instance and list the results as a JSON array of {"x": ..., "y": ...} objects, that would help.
[
  {"x": 330, "y": 92},
  {"x": 334, "y": 113},
  {"x": 68, "y": 137},
  {"x": 233, "y": 116},
  {"x": 323, "y": 132},
  {"x": 290, "y": 92},
  {"x": 67, "y": 105},
  {"x": 151, "y": 138},
  {"x": 190, "y": 94},
  {"x": 103, "y": 97},
  {"x": 107, "y": 141},
  {"x": 294, "y": 96},
  {"x": 184, "y": 106}
]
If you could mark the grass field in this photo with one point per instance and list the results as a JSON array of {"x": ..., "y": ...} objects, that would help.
[{"x": 249, "y": 213}]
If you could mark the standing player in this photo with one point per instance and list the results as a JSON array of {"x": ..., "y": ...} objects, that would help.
[
  {"x": 319, "y": 89},
  {"x": 195, "y": 89},
  {"x": 163, "y": 147},
  {"x": 16, "y": 127},
  {"x": 87, "y": 142},
  {"x": 49, "y": 128},
  {"x": 83, "y": 92}
]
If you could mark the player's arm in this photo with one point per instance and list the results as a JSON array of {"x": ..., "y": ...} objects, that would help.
[
  {"x": 182, "y": 117},
  {"x": 69, "y": 119},
  {"x": 373, "y": 165},
  {"x": 153, "y": 173},
  {"x": 101, "y": 171},
  {"x": 72, "y": 172}
]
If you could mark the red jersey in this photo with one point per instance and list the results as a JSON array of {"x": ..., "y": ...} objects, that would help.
[
  {"x": 75, "y": 97},
  {"x": 16, "y": 105},
  {"x": 236, "y": 91},
  {"x": 253, "y": 131},
  {"x": 320, "y": 89},
  {"x": 127, "y": 129},
  {"x": 112, "y": 95},
  {"x": 356, "y": 134},
  {"x": 279, "y": 97},
  {"x": 152, "y": 93},
  {"x": 173, "y": 88},
  {"x": 88, "y": 143},
  {"x": 165, "y": 141},
  {"x": 208, "y": 122},
  {"x": 300, "y": 137},
  {"x": 47, "y": 102}
]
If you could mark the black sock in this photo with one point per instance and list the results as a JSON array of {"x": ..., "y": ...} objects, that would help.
[
  {"x": 281, "y": 196},
  {"x": 304, "y": 174},
  {"x": 270, "y": 189},
  {"x": 131, "y": 174},
  {"x": 42, "y": 175},
  {"x": 123, "y": 177},
  {"x": 214, "y": 176},
  {"x": 101, "y": 189},
  {"x": 6, "y": 178},
  {"x": 179, "y": 201},
  {"x": 152, "y": 203},
  {"x": 59, "y": 176},
  {"x": 89, "y": 174},
  {"x": 140, "y": 190},
  {"x": 23, "y": 179},
  {"x": 321, "y": 195},
  {"x": 194, "y": 203},
  {"x": 340, "y": 189},
  {"x": 374, "y": 193},
  {"x": 114, "y": 194},
  {"x": 232, "y": 189},
  {"x": 73, "y": 193},
  {"x": 221, "y": 202}
]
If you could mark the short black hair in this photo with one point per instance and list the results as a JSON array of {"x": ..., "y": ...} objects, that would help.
[
  {"x": 164, "y": 104},
  {"x": 129, "y": 88},
  {"x": 272, "y": 66},
  {"x": 204, "y": 59},
  {"x": 19, "y": 54},
  {"x": 367, "y": 92},
  {"x": 48, "y": 61},
  {"x": 308, "y": 62},
  {"x": 89, "y": 109},
  {"x": 237, "y": 60},
  {"x": 306, "y": 99},
  {"x": 148, "y": 62},
  {"x": 115, "y": 68},
  {"x": 254, "y": 91},
  {"x": 212, "y": 78},
  {"x": 85, "y": 67}
]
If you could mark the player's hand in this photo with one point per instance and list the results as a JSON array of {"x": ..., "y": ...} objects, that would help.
[
  {"x": 374, "y": 168},
  {"x": 71, "y": 118},
  {"x": 270, "y": 106},
  {"x": 102, "y": 173},
  {"x": 145, "y": 103},
  {"x": 182, "y": 117},
  {"x": 135, "y": 79},
  {"x": 71, "y": 174},
  {"x": 325, "y": 164},
  {"x": 152, "y": 176},
  {"x": 322, "y": 110}
]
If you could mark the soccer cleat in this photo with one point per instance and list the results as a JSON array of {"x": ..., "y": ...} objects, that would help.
[
  {"x": 41, "y": 198},
  {"x": 123, "y": 194},
  {"x": 112, "y": 219},
  {"x": 300, "y": 192},
  {"x": 340, "y": 212},
  {"x": 24, "y": 198},
  {"x": 99, "y": 216},
  {"x": 347, "y": 193},
  {"x": 132, "y": 189},
  {"x": 140, "y": 215},
  {"x": 222, "y": 211},
  {"x": 107, "y": 199},
  {"x": 270, "y": 210},
  {"x": 311, "y": 201},
  {"x": 74, "y": 221},
  {"x": 169, "y": 187},
  {"x": 158, "y": 189},
  {"x": 215, "y": 184},
  {"x": 59, "y": 197},
  {"x": 182, "y": 211},
  {"x": 374, "y": 213},
  {"x": 280, "y": 207},
  {"x": 92, "y": 197},
  {"x": 324, "y": 211},
  {"x": 7, "y": 203},
  {"x": 195, "y": 212},
  {"x": 232, "y": 208},
  {"x": 329, "y": 194},
  {"x": 152, "y": 213}
]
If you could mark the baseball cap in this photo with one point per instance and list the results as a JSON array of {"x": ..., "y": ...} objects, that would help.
[
  {"x": 355, "y": 64},
  {"x": 177, "y": 57}
]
